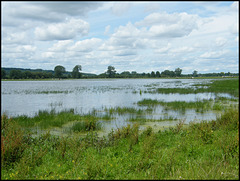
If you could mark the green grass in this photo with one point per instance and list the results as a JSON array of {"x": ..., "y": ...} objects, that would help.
[
  {"x": 200, "y": 106},
  {"x": 48, "y": 119},
  {"x": 230, "y": 86},
  {"x": 206, "y": 150},
  {"x": 125, "y": 110}
]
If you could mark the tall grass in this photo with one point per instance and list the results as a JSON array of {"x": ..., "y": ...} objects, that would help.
[{"x": 206, "y": 150}]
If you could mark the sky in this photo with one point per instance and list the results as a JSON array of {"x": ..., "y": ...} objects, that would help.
[{"x": 141, "y": 36}]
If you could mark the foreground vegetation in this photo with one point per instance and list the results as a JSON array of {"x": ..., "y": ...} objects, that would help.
[{"x": 206, "y": 150}]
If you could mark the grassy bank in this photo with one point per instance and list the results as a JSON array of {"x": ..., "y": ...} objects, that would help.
[{"x": 207, "y": 150}]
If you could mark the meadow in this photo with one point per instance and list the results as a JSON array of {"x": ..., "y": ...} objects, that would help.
[{"x": 204, "y": 150}]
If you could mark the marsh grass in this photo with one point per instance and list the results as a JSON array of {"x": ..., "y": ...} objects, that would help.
[
  {"x": 200, "y": 106},
  {"x": 206, "y": 150},
  {"x": 48, "y": 119},
  {"x": 230, "y": 86},
  {"x": 125, "y": 110},
  {"x": 86, "y": 125},
  {"x": 143, "y": 120}
]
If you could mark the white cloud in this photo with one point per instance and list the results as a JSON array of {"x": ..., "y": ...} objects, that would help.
[
  {"x": 214, "y": 54},
  {"x": 107, "y": 29},
  {"x": 220, "y": 41},
  {"x": 62, "y": 31},
  {"x": 166, "y": 25},
  {"x": 182, "y": 50},
  {"x": 86, "y": 45},
  {"x": 119, "y": 9},
  {"x": 61, "y": 45},
  {"x": 15, "y": 38}
]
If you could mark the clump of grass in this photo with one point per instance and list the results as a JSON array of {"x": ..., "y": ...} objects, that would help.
[
  {"x": 200, "y": 106},
  {"x": 47, "y": 119},
  {"x": 124, "y": 110},
  {"x": 86, "y": 125}
]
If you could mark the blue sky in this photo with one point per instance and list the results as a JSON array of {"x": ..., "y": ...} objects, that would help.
[{"x": 140, "y": 36}]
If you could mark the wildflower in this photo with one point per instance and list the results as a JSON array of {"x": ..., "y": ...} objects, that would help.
[
  {"x": 180, "y": 177},
  {"x": 73, "y": 161},
  {"x": 221, "y": 173},
  {"x": 79, "y": 178}
]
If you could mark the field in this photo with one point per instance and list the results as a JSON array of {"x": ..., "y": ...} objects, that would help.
[{"x": 205, "y": 150}]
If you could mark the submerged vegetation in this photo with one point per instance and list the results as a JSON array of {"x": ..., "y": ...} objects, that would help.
[{"x": 206, "y": 150}]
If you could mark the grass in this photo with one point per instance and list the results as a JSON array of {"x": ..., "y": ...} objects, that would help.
[
  {"x": 200, "y": 106},
  {"x": 48, "y": 119},
  {"x": 230, "y": 86},
  {"x": 142, "y": 120},
  {"x": 126, "y": 110},
  {"x": 206, "y": 150}
]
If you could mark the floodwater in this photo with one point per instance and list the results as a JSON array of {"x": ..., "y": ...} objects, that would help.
[{"x": 86, "y": 95}]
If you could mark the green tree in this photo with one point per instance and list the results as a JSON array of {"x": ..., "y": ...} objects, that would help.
[
  {"x": 152, "y": 74},
  {"x": 195, "y": 73},
  {"x": 3, "y": 74},
  {"x": 178, "y": 72},
  {"x": 111, "y": 71},
  {"x": 15, "y": 74},
  {"x": 59, "y": 70},
  {"x": 158, "y": 74},
  {"x": 75, "y": 71},
  {"x": 168, "y": 73}
]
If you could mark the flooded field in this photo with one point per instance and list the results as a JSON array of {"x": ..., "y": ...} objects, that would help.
[{"x": 118, "y": 100}]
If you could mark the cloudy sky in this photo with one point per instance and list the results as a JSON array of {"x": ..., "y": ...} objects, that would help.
[{"x": 137, "y": 36}]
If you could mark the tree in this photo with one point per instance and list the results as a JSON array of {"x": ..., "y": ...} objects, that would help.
[
  {"x": 59, "y": 70},
  {"x": 152, "y": 74},
  {"x": 15, "y": 74},
  {"x": 3, "y": 73},
  {"x": 75, "y": 72},
  {"x": 158, "y": 74},
  {"x": 168, "y": 73},
  {"x": 111, "y": 71},
  {"x": 178, "y": 72},
  {"x": 195, "y": 73}
]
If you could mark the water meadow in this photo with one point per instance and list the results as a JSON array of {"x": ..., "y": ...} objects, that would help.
[{"x": 120, "y": 129}]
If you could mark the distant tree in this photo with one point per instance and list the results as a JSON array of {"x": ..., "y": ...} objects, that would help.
[
  {"x": 152, "y": 74},
  {"x": 167, "y": 73},
  {"x": 178, "y": 72},
  {"x": 3, "y": 74},
  {"x": 75, "y": 71},
  {"x": 15, "y": 74},
  {"x": 195, "y": 73},
  {"x": 28, "y": 75},
  {"x": 111, "y": 71},
  {"x": 158, "y": 74},
  {"x": 125, "y": 74},
  {"x": 59, "y": 70}
]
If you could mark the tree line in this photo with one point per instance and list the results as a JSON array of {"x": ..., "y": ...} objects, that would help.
[{"x": 60, "y": 72}]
